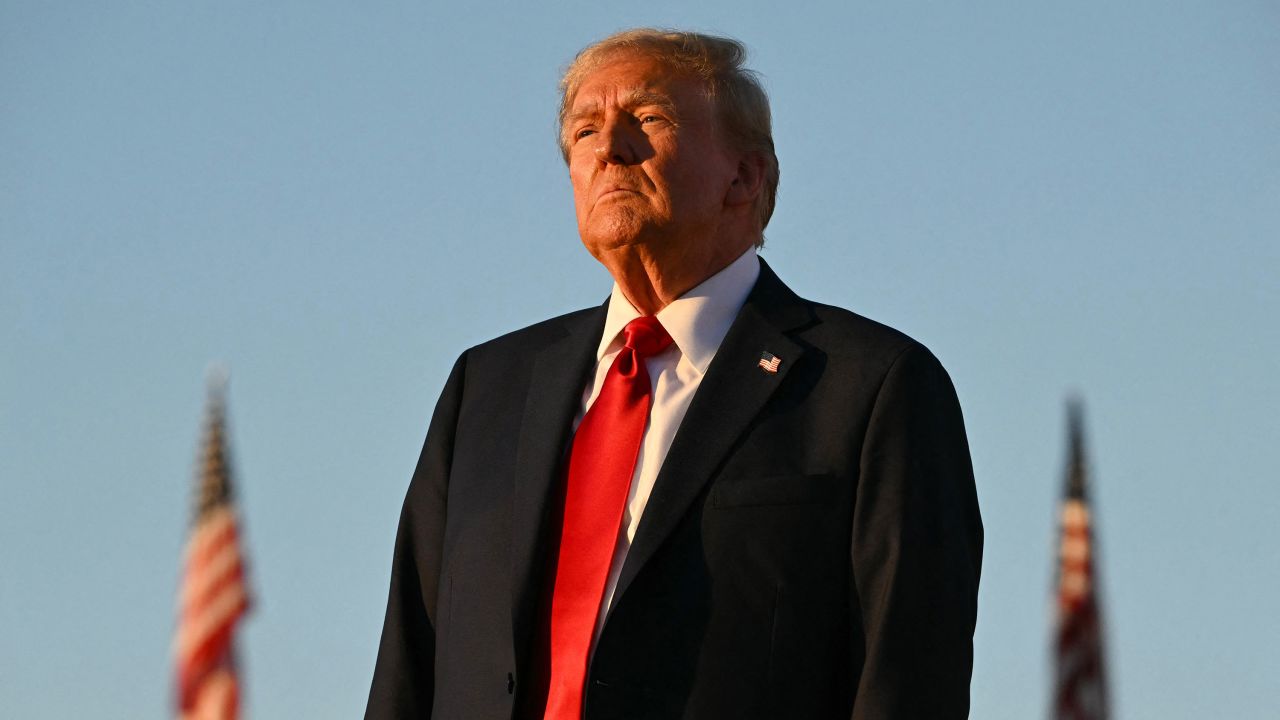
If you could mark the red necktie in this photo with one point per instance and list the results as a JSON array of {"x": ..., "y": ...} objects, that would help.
[{"x": 601, "y": 463}]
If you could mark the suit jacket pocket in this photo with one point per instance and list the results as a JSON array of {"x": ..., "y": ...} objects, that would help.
[{"x": 773, "y": 490}]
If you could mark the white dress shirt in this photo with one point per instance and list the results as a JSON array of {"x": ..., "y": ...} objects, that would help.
[{"x": 697, "y": 322}]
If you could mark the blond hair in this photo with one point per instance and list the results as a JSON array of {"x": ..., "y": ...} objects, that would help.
[{"x": 735, "y": 91}]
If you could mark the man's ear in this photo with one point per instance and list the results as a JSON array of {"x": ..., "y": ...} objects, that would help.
[{"x": 749, "y": 182}]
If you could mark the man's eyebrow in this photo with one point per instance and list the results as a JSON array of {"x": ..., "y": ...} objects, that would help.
[
  {"x": 587, "y": 111},
  {"x": 630, "y": 101},
  {"x": 642, "y": 98}
]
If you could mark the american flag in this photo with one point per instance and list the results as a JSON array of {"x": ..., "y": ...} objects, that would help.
[
  {"x": 214, "y": 595},
  {"x": 769, "y": 362},
  {"x": 1080, "y": 688}
]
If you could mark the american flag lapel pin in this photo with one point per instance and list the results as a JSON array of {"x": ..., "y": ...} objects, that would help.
[{"x": 769, "y": 362}]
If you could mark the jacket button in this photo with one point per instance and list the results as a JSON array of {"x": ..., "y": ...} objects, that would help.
[{"x": 511, "y": 684}]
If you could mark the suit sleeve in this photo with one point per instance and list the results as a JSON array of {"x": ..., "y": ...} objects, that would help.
[
  {"x": 916, "y": 548},
  {"x": 403, "y": 679}
]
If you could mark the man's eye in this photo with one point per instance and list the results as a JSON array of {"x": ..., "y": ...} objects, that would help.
[
  {"x": 650, "y": 118},
  {"x": 584, "y": 132}
]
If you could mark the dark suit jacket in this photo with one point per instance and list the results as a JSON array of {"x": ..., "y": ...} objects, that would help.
[{"x": 811, "y": 548}]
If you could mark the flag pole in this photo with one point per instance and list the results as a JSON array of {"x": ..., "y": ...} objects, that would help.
[
  {"x": 1079, "y": 682},
  {"x": 214, "y": 596}
]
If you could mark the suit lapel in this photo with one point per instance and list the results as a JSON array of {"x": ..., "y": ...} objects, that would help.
[
  {"x": 731, "y": 394},
  {"x": 559, "y": 373}
]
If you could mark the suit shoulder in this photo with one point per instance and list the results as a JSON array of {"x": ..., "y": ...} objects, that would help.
[
  {"x": 902, "y": 368},
  {"x": 872, "y": 349},
  {"x": 834, "y": 330},
  {"x": 843, "y": 331}
]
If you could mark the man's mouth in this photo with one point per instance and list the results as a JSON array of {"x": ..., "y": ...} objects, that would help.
[{"x": 616, "y": 192}]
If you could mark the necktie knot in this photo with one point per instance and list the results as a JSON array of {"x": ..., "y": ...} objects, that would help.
[{"x": 646, "y": 336}]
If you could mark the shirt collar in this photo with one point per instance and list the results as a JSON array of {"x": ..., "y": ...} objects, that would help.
[{"x": 697, "y": 320}]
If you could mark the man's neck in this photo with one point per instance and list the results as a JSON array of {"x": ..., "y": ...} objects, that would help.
[{"x": 651, "y": 281}]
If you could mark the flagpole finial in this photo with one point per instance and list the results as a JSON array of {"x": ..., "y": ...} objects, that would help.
[
  {"x": 1076, "y": 469},
  {"x": 217, "y": 375}
]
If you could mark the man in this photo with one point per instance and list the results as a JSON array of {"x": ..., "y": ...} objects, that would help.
[{"x": 707, "y": 498}]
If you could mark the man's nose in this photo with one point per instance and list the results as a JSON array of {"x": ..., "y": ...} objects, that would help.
[{"x": 616, "y": 144}]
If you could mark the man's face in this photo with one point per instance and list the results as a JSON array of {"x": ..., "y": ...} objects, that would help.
[{"x": 646, "y": 158}]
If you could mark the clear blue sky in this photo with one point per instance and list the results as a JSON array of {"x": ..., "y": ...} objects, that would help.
[{"x": 335, "y": 199}]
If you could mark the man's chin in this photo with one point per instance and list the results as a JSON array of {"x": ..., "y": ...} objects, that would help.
[{"x": 615, "y": 236}]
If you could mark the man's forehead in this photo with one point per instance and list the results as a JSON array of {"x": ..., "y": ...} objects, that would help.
[{"x": 632, "y": 80}]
